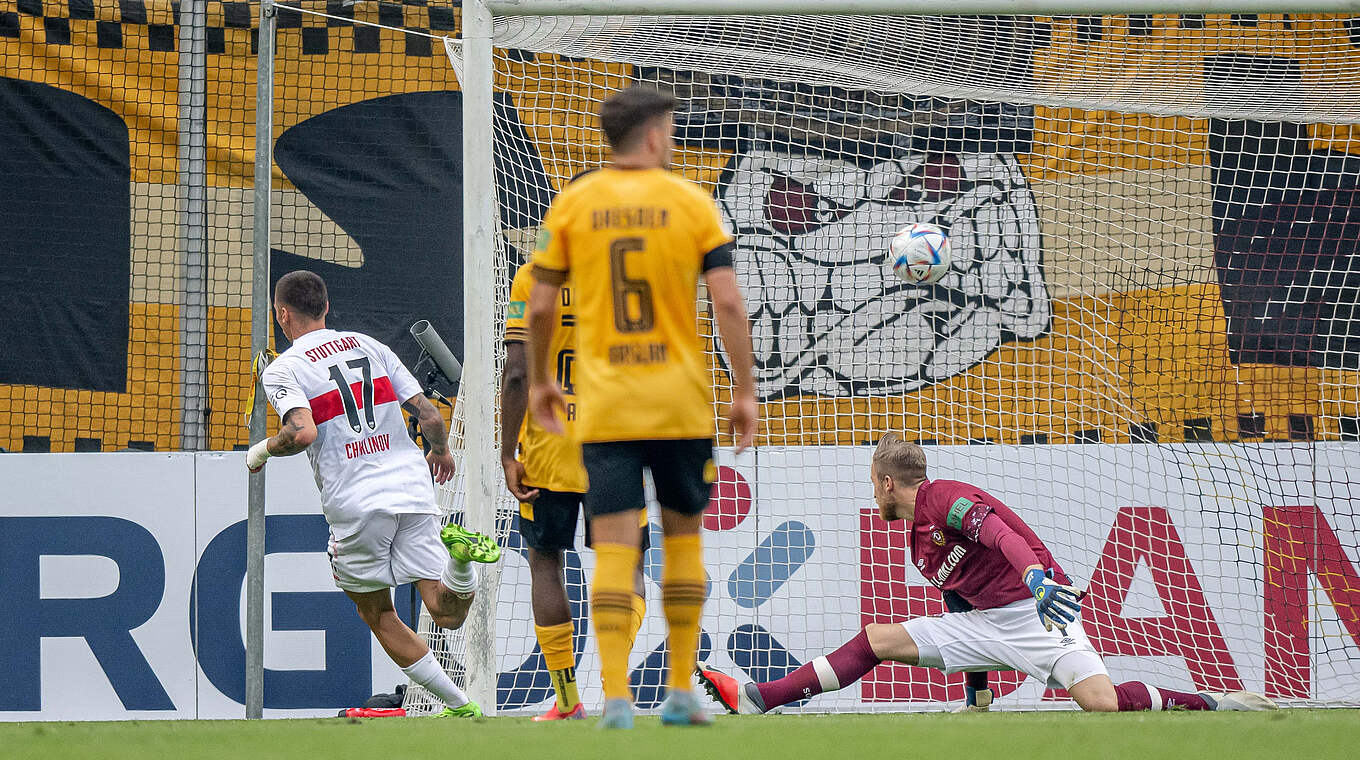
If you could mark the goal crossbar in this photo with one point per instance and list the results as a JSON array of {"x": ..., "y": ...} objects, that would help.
[{"x": 906, "y": 7}]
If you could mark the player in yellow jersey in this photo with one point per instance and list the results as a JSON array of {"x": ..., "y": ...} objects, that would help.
[
  {"x": 631, "y": 241},
  {"x": 549, "y": 480}
]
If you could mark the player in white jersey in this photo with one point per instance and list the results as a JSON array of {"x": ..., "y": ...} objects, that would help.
[{"x": 340, "y": 396}]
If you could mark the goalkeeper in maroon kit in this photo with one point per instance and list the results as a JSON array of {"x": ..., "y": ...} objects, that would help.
[{"x": 965, "y": 541}]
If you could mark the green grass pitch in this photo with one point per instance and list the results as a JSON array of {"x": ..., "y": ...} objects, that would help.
[{"x": 1283, "y": 735}]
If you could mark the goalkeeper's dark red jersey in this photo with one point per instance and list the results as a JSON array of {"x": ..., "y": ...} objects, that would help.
[{"x": 946, "y": 549}]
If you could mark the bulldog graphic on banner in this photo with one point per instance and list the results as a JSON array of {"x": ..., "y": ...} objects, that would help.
[{"x": 814, "y": 193}]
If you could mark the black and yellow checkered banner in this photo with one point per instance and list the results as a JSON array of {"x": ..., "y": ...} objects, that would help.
[{"x": 367, "y": 122}]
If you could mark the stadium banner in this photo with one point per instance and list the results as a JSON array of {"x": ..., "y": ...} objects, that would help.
[
  {"x": 126, "y": 574},
  {"x": 98, "y": 307}
]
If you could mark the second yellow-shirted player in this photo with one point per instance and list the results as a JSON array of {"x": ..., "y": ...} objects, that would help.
[
  {"x": 549, "y": 480},
  {"x": 631, "y": 241}
]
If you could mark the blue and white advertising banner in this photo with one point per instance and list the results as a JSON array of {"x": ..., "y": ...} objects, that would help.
[
  {"x": 125, "y": 578},
  {"x": 1214, "y": 567}
]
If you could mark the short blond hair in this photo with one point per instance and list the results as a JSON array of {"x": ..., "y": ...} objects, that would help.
[{"x": 904, "y": 461}]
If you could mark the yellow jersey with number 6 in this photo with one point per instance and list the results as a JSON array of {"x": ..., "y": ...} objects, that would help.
[
  {"x": 631, "y": 245},
  {"x": 550, "y": 461}
]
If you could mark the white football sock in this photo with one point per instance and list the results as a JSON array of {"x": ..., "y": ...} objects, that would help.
[
  {"x": 459, "y": 577},
  {"x": 427, "y": 673}
]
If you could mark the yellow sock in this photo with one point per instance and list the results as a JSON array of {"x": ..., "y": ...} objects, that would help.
[
  {"x": 555, "y": 641},
  {"x": 639, "y": 613},
  {"x": 683, "y": 585},
  {"x": 635, "y": 624},
  {"x": 611, "y": 608}
]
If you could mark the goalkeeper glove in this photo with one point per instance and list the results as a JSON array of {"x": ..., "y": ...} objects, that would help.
[
  {"x": 1058, "y": 604},
  {"x": 256, "y": 456}
]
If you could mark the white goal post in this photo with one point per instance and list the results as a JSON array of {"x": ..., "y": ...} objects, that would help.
[{"x": 1113, "y": 311}]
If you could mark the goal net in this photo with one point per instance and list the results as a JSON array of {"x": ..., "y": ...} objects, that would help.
[{"x": 1147, "y": 343}]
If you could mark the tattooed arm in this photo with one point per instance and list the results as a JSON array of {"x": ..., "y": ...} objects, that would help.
[{"x": 296, "y": 434}]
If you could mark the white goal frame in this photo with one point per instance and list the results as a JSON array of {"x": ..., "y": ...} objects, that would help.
[{"x": 482, "y": 477}]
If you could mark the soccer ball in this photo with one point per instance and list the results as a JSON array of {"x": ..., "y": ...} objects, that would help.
[{"x": 919, "y": 254}]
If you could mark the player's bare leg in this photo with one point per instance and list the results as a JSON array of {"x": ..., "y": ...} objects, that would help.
[
  {"x": 447, "y": 608},
  {"x": 1099, "y": 694},
  {"x": 1095, "y": 694},
  {"x": 683, "y": 587},
  {"x": 449, "y": 598},
  {"x": 616, "y": 537},
  {"x": 409, "y": 651},
  {"x": 400, "y": 642},
  {"x": 554, "y": 629}
]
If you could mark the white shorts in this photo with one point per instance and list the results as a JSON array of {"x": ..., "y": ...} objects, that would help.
[
  {"x": 387, "y": 551},
  {"x": 1004, "y": 638}
]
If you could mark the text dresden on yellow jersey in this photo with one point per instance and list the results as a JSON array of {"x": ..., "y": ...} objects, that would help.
[{"x": 631, "y": 245}]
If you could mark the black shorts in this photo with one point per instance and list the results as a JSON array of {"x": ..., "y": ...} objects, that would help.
[
  {"x": 955, "y": 603},
  {"x": 682, "y": 471},
  {"x": 549, "y": 524}
]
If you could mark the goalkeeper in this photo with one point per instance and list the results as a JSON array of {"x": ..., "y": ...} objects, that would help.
[{"x": 965, "y": 541}]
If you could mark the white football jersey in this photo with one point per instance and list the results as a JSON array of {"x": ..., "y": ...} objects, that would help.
[{"x": 363, "y": 459}]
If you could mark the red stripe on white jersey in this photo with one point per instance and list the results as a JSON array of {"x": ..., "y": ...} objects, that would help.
[{"x": 328, "y": 406}]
